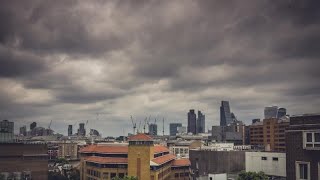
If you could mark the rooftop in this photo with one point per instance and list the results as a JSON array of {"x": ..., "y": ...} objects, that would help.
[
  {"x": 106, "y": 160},
  {"x": 181, "y": 162},
  {"x": 140, "y": 137},
  {"x": 163, "y": 159},
  {"x": 116, "y": 149}
]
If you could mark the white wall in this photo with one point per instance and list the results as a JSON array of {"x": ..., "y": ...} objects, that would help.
[{"x": 269, "y": 166}]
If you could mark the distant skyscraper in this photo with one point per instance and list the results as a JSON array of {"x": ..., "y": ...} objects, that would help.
[
  {"x": 281, "y": 112},
  {"x": 192, "y": 122},
  {"x": 6, "y": 131},
  {"x": 225, "y": 115},
  {"x": 153, "y": 129},
  {"x": 81, "y": 130},
  {"x": 270, "y": 112},
  {"x": 23, "y": 130},
  {"x": 174, "y": 128},
  {"x": 33, "y": 125},
  {"x": 201, "y": 123},
  {"x": 70, "y": 130}
]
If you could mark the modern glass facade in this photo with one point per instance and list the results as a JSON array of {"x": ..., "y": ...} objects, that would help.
[{"x": 225, "y": 115}]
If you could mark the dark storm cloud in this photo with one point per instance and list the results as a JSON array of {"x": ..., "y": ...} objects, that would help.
[{"x": 70, "y": 60}]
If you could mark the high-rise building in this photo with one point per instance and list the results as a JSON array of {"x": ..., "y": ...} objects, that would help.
[
  {"x": 281, "y": 112},
  {"x": 192, "y": 122},
  {"x": 6, "y": 131},
  {"x": 23, "y": 131},
  {"x": 225, "y": 115},
  {"x": 81, "y": 130},
  {"x": 201, "y": 122},
  {"x": 153, "y": 129},
  {"x": 70, "y": 130},
  {"x": 270, "y": 112},
  {"x": 174, "y": 128},
  {"x": 33, "y": 125}
]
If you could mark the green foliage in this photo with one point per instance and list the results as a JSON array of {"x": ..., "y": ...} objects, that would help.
[
  {"x": 56, "y": 176},
  {"x": 62, "y": 161},
  {"x": 74, "y": 174},
  {"x": 252, "y": 176},
  {"x": 125, "y": 178}
]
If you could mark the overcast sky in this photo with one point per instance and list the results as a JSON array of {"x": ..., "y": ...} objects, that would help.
[{"x": 68, "y": 61}]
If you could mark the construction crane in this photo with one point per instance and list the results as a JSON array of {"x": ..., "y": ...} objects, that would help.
[
  {"x": 144, "y": 125},
  {"x": 163, "y": 127},
  {"x": 134, "y": 125},
  {"x": 49, "y": 124},
  {"x": 138, "y": 131}
]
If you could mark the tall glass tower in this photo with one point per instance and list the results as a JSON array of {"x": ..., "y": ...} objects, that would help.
[{"x": 225, "y": 115}]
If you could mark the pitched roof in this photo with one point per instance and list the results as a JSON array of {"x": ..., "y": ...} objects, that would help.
[
  {"x": 110, "y": 149},
  {"x": 140, "y": 137},
  {"x": 163, "y": 159},
  {"x": 160, "y": 149},
  {"x": 181, "y": 162},
  {"x": 106, "y": 160}
]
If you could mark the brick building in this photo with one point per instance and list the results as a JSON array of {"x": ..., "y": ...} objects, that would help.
[
  {"x": 141, "y": 158},
  {"x": 269, "y": 133},
  {"x": 24, "y": 161},
  {"x": 303, "y": 147}
]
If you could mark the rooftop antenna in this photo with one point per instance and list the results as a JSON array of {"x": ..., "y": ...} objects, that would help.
[{"x": 134, "y": 125}]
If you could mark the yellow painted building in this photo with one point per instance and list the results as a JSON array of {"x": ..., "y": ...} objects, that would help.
[{"x": 141, "y": 158}]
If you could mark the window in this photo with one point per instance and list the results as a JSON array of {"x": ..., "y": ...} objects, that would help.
[
  {"x": 263, "y": 158},
  {"x": 303, "y": 170},
  {"x": 275, "y": 159},
  {"x": 311, "y": 139}
]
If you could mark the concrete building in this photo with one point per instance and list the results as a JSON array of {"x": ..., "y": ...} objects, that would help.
[
  {"x": 204, "y": 162},
  {"x": 272, "y": 164},
  {"x": 192, "y": 122},
  {"x": 70, "y": 130},
  {"x": 219, "y": 147},
  {"x": 228, "y": 134},
  {"x": 24, "y": 161},
  {"x": 153, "y": 129},
  {"x": 225, "y": 115},
  {"x": 173, "y": 128},
  {"x": 68, "y": 150},
  {"x": 269, "y": 133},
  {"x": 303, "y": 147},
  {"x": 270, "y": 112},
  {"x": 23, "y": 131},
  {"x": 141, "y": 158},
  {"x": 201, "y": 124},
  {"x": 182, "y": 130},
  {"x": 6, "y": 131}
]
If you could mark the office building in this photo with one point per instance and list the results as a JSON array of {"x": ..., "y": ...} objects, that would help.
[
  {"x": 303, "y": 147},
  {"x": 23, "y": 161},
  {"x": 192, "y": 122},
  {"x": 140, "y": 158},
  {"x": 225, "y": 115},
  {"x": 33, "y": 125},
  {"x": 68, "y": 150},
  {"x": 6, "y": 131},
  {"x": 182, "y": 130},
  {"x": 281, "y": 112},
  {"x": 81, "y": 130},
  {"x": 270, "y": 112},
  {"x": 174, "y": 128},
  {"x": 269, "y": 133},
  {"x": 201, "y": 122},
  {"x": 153, "y": 129},
  {"x": 23, "y": 131},
  {"x": 70, "y": 130}
]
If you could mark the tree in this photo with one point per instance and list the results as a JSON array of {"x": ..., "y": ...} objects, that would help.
[
  {"x": 252, "y": 176},
  {"x": 1, "y": 177}
]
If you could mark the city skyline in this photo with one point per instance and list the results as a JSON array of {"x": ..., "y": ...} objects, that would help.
[{"x": 104, "y": 61}]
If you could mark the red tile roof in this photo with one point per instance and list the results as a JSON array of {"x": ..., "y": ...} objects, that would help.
[
  {"x": 160, "y": 149},
  {"x": 163, "y": 159},
  {"x": 140, "y": 137},
  {"x": 106, "y": 160},
  {"x": 181, "y": 162},
  {"x": 109, "y": 149}
]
